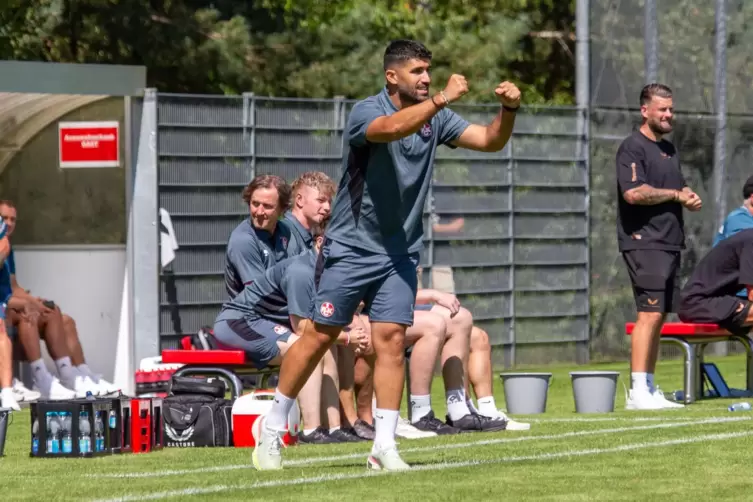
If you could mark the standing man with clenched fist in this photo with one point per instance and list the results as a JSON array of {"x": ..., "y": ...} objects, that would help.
[{"x": 375, "y": 233}]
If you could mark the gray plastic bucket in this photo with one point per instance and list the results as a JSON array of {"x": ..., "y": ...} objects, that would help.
[
  {"x": 525, "y": 393},
  {"x": 4, "y": 418},
  {"x": 594, "y": 391}
]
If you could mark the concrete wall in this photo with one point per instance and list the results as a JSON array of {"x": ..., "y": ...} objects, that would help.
[{"x": 87, "y": 283}]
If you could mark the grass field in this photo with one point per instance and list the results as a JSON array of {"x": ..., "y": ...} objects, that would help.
[{"x": 700, "y": 452}]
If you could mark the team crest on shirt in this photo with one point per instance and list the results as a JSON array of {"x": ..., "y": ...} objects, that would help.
[
  {"x": 280, "y": 330},
  {"x": 426, "y": 131},
  {"x": 327, "y": 309},
  {"x": 284, "y": 242}
]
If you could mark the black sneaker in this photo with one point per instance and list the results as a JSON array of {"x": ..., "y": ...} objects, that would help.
[
  {"x": 478, "y": 423},
  {"x": 364, "y": 430},
  {"x": 320, "y": 435},
  {"x": 430, "y": 423},
  {"x": 347, "y": 435}
]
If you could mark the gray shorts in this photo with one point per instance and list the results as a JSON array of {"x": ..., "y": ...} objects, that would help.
[
  {"x": 258, "y": 337},
  {"x": 345, "y": 276}
]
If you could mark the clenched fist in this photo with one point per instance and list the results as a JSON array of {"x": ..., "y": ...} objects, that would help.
[
  {"x": 508, "y": 94},
  {"x": 457, "y": 86}
]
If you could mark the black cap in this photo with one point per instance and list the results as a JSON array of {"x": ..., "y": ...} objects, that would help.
[{"x": 748, "y": 188}]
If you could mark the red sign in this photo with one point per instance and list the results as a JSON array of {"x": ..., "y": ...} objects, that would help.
[{"x": 89, "y": 144}]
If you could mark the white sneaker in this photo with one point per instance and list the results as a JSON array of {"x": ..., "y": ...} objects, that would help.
[
  {"x": 105, "y": 387},
  {"x": 405, "y": 430},
  {"x": 642, "y": 400},
  {"x": 663, "y": 401},
  {"x": 22, "y": 394},
  {"x": 51, "y": 388},
  {"x": 386, "y": 460},
  {"x": 81, "y": 385},
  {"x": 8, "y": 400},
  {"x": 266, "y": 455},
  {"x": 512, "y": 425}
]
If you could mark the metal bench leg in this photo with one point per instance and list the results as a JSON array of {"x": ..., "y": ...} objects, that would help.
[
  {"x": 236, "y": 385},
  {"x": 691, "y": 367},
  {"x": 746, "y": 341}
]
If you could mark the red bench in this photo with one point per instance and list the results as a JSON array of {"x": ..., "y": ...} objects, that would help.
[
  {"x": 693, "y": 339},
  {"x": 225, "y": 364}
]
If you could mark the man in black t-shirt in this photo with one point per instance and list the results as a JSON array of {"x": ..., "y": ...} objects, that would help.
[
  {"x": 710, "y": 295},
  {"x": 650, "y": 231}
]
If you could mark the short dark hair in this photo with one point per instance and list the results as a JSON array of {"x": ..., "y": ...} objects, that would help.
[
  {"x": 748, "y": 188},
  {"x": 649, "y": 91},
  {"x": 400, "y": 51},
  {"x": 268, "y": 181}
]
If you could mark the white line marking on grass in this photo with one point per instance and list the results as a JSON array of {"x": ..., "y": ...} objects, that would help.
[
  {"x": 483, "y": 442},
  {"x": 615, "y": 419},
  {"x": 205, "y": 490}
]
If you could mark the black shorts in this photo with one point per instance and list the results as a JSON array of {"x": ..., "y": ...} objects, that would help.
[
  {"x": 729, "y": 312},
  {"x": 653, "y": 274}
]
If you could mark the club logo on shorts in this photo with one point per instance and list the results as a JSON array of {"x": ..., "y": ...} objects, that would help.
[
  {"x": 426, "y": 131},
  {"x": 327, "y": 309},
  {"x": 281, "y": 330}
]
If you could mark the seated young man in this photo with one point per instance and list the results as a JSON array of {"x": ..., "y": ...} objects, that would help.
[
  {"x": 54, "y": 326},
  {"x": 267, "y": 317},
  {"x": 7, "y": 398},
  {"x": 261, "y": 240},
  {"x": 426, "y": 338},
  {"x": 710, "y": 295}
]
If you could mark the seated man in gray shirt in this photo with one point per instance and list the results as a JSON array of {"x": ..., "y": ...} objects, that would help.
[
  {"x": 261, "y": 240},
  {"x": 267, "y": 317},
  {"x": 310, "y": 204}
]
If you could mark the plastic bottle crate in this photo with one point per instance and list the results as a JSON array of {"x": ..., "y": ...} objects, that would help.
[
  {"x": 147, "y": 425},
  {"x": 71, "y": 429}
]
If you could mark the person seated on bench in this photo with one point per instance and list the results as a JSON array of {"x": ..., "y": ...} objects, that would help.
[
  {"x": 740, "y": 218},
  {"x": 425, "y": 337},
  {"x": 71, "y": 364},
  {"x": 261, "y": 240},
  {"x": 268, "y": 316},
  {"x": 310, "y": 204},
  {"x": 7, "y": 398},
  {"x": 710, "y": 295}
]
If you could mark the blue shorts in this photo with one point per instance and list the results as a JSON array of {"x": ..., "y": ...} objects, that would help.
[
  {"x": 256, "y": 336},
  {"x": 345, "y": 276}
]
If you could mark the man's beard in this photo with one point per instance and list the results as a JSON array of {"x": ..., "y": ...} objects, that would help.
[{"x": 657, "y": 128}]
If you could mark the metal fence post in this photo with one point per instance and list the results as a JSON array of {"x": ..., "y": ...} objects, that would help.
[
  {"x": 511, "y": 249},
  {"x": 249, "y": 129}
]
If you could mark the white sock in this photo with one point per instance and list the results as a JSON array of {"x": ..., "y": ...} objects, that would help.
[
  {"x": 66, "y": 370},
  {"x": 650, "y": 382},
  {"x": 640, "y": 381},
  {"x": 277, "y": 419},
  {"x": 420, "y": 406},
  {"x": 487, "y": 406},
  {"x": 306, "y": 432},
  {"x": 385, "y": 423},
  {"x": 456, "y": 407},
  {"x": 40, "y": 373},
  {"x": 333, "y": 429}
]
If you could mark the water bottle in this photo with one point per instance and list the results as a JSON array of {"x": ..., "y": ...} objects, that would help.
[
  {"x": 84, "y": 436},
  {"x": 35, "y": 437},
  {"x": 66, "y": 426},
  {"x": 53, "y": 433},
  {"x": 99, "y": 428},
  {"x": 113, "y": 419},
  {"x": 740, "y": 407}
]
